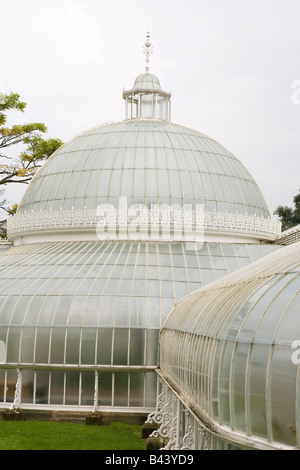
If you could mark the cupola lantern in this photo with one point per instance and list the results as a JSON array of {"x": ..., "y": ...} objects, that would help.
[{"x": 147, "y": 99}]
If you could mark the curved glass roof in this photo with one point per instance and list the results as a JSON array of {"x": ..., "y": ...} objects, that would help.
[
  {"x": 149, "y": 162},
  {"x": 93, "y": 303},
  {"x": 231, "y": 347},
  {"x": 147, "y": 81}
]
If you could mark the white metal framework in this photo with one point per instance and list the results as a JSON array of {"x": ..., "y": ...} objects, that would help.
[
  {"x": 232, "y": 349},
  {"x": 139, "y": 222},
  {"x": 70, "y": 309},
  {"x": 289, "y": 236},
  {"x": 183, "y": 428}
]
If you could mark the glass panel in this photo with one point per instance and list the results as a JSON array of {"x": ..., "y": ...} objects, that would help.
[
  {"x": 238, "y": 386},
  {"x": 57, "y": 345},
  {"x": 286, "y": 331},
  {"x": 152, "y": 337},
  {"x": 138, "y": 314},
  {"x": 72, "y": 388},
  {"x": 87, "y": 388},
  {"x": 13, "y": 345},
  {"x": 224, "y": 382},
  {"x": 42, "y": 387},
  {"x": 218, "y": 262},
  {"x": 283, "y": 378},
  {"x": 181, "y": 289},
  {"x": 42, "y": 345},
  {"x": 77, "y": 310},
  {"x": 88, "y": 346},
  {"x": 137, "y": 345},
  {"x": 62, "y": 311},
  {"x": 104, "y": 347},
  {"x": 2, "y": 352},
  {"x": 20, "y": 310},
  {"x": 57, "y": 387},
  {"x": 256, "y": 394},
  {"x": 231, "y": 264},
  {"x": 150, "y": 389},
  {"x": 136, "y": 389},
  {"x": 72, "y": 346},
  {"x": 276, "y": 307},
  {"x": 207, "y": 276},
  {"x": 107, "y": 311},
  {"x": 27, "y": 386},
  {"x": 121, "y": 389},
  {"x": 122, "y": 311},
  {"x": 120, "y": 346},
  {"x": 105, "y": 388},
  {"x": 27, "y": 344},
  {"x": 2, "y": 385},
  {"x": 91, "y": 312},
  {"x": 261, "y": 300},
  {"x": 215, "y": 381},
  {"x": 153, "y": 312},
  {"x": 11, "y": 380}
]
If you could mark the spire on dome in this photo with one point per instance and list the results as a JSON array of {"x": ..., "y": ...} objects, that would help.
[
  {"x": 147, "y": 99},
  {"x": 148, "y": 50}
]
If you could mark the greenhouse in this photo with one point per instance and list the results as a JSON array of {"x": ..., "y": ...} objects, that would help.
[{"x": 118, "y": 226}]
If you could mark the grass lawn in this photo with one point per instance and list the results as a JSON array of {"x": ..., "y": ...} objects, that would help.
[{"x": 40, "y": 435}]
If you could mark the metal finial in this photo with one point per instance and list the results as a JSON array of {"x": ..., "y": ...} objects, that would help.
[{"x": 148, "y": 50}]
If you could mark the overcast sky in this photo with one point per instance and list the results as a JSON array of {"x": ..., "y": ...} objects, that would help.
[{"x": 233, "y": 67}]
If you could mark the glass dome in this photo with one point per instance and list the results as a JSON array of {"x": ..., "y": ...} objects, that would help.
[
  {"x": 70, "y": 309},
  {"x": 149, "y": 162},
  {"x": 232, "y": 348},
  {"x": 147, "y": 81}
]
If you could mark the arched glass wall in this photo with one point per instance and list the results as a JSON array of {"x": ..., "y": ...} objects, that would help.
[{"x": 232, "y": 349}]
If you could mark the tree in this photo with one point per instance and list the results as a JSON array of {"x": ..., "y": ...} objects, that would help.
[
  {"x": 23, "y": 168},
  {"x": 289, "y": 217}
]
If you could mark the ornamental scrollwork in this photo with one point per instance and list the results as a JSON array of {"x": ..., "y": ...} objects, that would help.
[{"x": 143, "y": 218}]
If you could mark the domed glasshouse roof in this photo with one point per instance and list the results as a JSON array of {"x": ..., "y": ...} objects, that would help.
[
  {"x": 149, "y": 162},
  {"x": 161, "y": 170}
]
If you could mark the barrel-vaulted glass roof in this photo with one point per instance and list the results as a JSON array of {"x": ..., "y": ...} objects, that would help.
[
  {"x": 101, "y": 304},
  {"x": 149, "y": 162},
  {"x": 233, "y": 348}
]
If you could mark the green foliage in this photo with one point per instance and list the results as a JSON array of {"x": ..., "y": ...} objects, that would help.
[
  {"x": 12, "y": 210},
  {"x": 37, "y": 149},
  {"x": 289, "y": 217},
  {"x": 8, "y": 102},
  {"x": 39, "y": 435}
]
